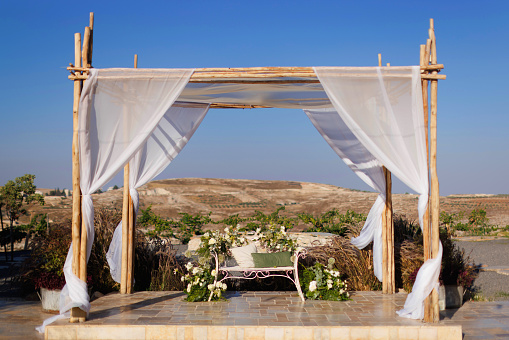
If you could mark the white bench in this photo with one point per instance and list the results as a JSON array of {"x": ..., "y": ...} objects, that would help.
[{"x": 290, "y": 272}]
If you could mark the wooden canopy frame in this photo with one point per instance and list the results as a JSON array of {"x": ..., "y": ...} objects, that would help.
[{"x": 257, "y": 75}]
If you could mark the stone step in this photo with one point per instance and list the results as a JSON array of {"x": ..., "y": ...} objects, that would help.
[{"x": 171, "y": 332}]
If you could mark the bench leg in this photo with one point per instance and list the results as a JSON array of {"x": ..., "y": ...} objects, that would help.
[{"x": 297, "y": 284}]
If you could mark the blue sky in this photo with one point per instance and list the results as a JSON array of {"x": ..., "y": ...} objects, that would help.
[{"x": 37, "y": 44}]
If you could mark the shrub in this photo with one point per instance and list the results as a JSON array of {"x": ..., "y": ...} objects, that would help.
[
  {"x": 202, "y": 283},
  {"x": 332, "y": 221},
  {"x": 44, "y": 267},
  {"x": 355, "y": 264},
  {"x": 323, "y": 283}
]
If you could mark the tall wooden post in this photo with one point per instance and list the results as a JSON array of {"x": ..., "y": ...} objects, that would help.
[
  {"x": 125, "y": 231},
  {"x": 130, "y": 241},
  {"x": 79, "y": 232},
  {"x": 431, "y": 236},
  {"x": 126, "y": 281},
  {"x": 388, "y": 271},
  {"x": 76, "y": 313},
  {"x": 435, "y": 192}
]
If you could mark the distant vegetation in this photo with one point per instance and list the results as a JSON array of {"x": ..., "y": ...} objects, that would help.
[{"x": 476, "y": 223}]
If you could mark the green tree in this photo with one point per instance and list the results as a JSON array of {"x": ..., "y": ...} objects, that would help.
[{"x": 17, "y": 195}]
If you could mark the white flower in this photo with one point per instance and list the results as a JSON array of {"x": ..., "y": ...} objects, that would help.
[
  {"x": 189, "y": 288},
  {"x": 329, "y": 285},
  {"x": 312, "y": 286},
  {"x": 211, "y": 286},
  {"x": 224, "y": 286},
  {"x": 227, "y": 230},
  {"x": 182, "y": 279},
  {"x": 207, "y": 234},
  {"x": 347, "y": 294},
  {"x": 219, "y": 284},
  {"x": 196, "y": 270},
  {"x": 258, "y": 230},
  {"x": 189, "y": 265},
  {"x": 341, "y": 291},
  {"x": 213, "y": 272},
  {"x": 242, "y": 240},
  {"x": 212, "y": 241}
]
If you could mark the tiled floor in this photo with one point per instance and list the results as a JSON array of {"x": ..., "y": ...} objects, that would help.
[{"x": 479, "y": 320}]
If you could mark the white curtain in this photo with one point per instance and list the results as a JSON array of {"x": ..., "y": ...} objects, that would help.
[
  {"x": 335, "y": 132},
  {"x": 119, "y": 109},
  {"x": 383, "y": 108},
  {"x": 164, "y": 144}
]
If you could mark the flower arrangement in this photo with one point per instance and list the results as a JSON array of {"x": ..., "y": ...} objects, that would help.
[
  {"x": 275, "y": 239},
  {"x": 221, "y": 242},
  {"x": 202, "y": 283},
  {"x": 324, "y": 283}
]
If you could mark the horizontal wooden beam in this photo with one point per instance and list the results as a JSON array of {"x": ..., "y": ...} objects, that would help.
[
  {"x": 254, "y": 75},
  {"x": 264, "y": 79},
  {"x": 237, "y": 106}
]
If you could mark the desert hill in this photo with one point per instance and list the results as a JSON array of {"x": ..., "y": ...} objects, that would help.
[{"x": 224, "y": 197}]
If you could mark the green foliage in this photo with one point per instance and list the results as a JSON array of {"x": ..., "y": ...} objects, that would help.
[
  {"x": 323, "y": 283},
  {"x": 478, "y": 217},
  {"x": 332, "y": 221},
  {"x": 56, "y": 192},
  {"x": 477, "y": 224},
  {"x": 19, "y": 193},
  {"x": 261, "y": 220},
  {"x": 184, "y": 229},
  {"x": 15, "y": 196}
]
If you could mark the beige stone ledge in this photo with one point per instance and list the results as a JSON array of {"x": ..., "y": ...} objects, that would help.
[{"x": 173, "y": 332}]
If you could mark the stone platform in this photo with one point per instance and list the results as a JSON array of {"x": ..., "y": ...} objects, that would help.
[{"x": 250, "y": 315}]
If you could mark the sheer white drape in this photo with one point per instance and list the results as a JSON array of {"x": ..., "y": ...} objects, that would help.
[
  {"x": 164, "y": 144},
  {"x": 383, "y": 108},
  {"x": 119, "y": 109},
  {"x": 339, "y": 137}
]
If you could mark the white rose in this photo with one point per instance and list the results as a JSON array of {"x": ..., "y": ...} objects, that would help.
[
  {"x": 312, "y": 286},
  {"x": 212, "y": 241}
]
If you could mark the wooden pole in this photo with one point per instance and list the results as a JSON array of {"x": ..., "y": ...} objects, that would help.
[
  {"x": 91, "y": 44},
  {"x": 388, "y": 271},
  {"x": 125, "y": 231},
  {"x": 77, "y": 315},
  {"x": 426, "y": 228},
  {"x": 435, "y": 192},
  {"x": 130, "y": 241}
]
